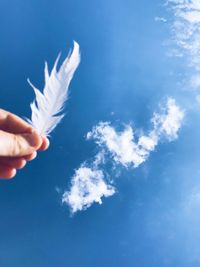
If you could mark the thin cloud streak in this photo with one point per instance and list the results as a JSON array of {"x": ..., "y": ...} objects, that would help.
[
  {"x": 160, "y": 19},
  {"x": 186, "y": 34}
]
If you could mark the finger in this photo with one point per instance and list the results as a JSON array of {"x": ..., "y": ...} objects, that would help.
[
  {"x": 6, "y": 172},
  {"x": 45, "y": 143},
  {"x": 15, "y": 163},
  {"x": 31, "y": 156},
  {"x": 18, "y": 162},
  {"x": 13, "y": 124},
  {"x": 15, "y": 145}
]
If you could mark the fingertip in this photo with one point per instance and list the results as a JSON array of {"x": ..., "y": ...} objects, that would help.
[
  {"x": 31, "y": 156},
  {"x": 30, "y": 130},
  {"x": 12, "y": 173},
  {"x": 34, "y": 139},
  {"x": 7, "y": 172},
  {"x": 45, "y": 143},
  {"x": 21, "y": 164},
  {"x": 37, "y": 140}
]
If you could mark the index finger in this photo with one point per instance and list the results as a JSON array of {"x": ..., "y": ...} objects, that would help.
[{"x": 13, "y": 124}]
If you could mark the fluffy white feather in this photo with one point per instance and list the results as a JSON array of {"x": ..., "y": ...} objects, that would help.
[{"x": 48, "y": 106}]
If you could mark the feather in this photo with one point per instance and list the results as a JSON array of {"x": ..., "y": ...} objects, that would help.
[{"x": 47, "y": 108}]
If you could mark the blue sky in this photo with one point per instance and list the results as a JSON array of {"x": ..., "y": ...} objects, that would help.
[{"x": 135, "y": 56}]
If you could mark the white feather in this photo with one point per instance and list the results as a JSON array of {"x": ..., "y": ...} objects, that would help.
[{"x": 48, "y": 106}]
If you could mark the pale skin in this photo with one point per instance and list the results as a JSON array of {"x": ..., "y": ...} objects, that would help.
[{"x": 19, "y": 143}]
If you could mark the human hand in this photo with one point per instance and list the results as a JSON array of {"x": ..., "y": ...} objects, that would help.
[{"x": 19, "y": 142}]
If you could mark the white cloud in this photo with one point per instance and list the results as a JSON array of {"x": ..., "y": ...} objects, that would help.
[
  {"x": 120, "y": 144},
  {"x": 192, "y": 17},
  {"x": 186, "y": 4},
  {"x": 87, "y": 186},
  {"x": 123, "y": 146},
  {"x": 186, "y": 31},
  {"x": 161, "y": 19},
  {"x": 168, "y": 122}
]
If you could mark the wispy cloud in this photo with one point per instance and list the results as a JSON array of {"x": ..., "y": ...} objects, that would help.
[
  {"x": 161, "y": 19},
  {"x": 168, "y": 121},
  {"x": 90, "y": 182},
  {"x": 186, "y": 33}
]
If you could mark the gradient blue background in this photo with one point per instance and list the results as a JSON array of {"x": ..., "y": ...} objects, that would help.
[{"x": 154, "y": 218}]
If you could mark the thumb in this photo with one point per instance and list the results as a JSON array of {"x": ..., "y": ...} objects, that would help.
[{"x": 14, "y": 145}]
